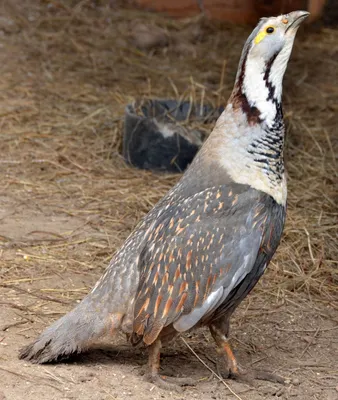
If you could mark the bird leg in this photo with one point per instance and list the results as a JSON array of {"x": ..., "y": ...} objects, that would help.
[
  {"x": 164, "y": 382},
  {"x": 225, "y": 349},
  {"x": 234, "y": 370}
]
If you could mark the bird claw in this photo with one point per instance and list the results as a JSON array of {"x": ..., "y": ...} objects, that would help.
[
  {"x": 249, "y": 377},
  {"x": 169, "y": 382},
  {"x": 268, "y": 376},
  {"x": 239, "y": 374}
]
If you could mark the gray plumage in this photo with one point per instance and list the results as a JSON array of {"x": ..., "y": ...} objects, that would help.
[{"x": 199, "y": 252}]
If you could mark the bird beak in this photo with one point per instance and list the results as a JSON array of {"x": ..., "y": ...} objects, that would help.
[{"x": 295, "y": 18}]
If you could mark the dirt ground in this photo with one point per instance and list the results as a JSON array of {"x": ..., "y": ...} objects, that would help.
[{"x": 67, "y": 199}]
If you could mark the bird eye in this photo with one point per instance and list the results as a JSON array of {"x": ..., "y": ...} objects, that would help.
[{"x": 270, "y": 29}]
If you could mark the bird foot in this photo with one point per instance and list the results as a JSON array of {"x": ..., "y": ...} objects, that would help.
[
  {"x": 236, "y": 373},
  {"x": 169, "y": 382},
  {"x": 249, "y": 377},
  {"x": 268, "y": 376}
]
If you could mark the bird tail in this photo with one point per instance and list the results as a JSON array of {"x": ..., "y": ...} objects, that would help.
[
  {"x": 104, "y": 310},
  {"x": 70, "y": 334}
]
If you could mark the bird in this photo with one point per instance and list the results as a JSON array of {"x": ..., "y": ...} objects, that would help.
[{"x": 198, "y": 253}]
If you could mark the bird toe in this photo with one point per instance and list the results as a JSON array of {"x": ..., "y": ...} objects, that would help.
[{"x": 170, "y": 383}]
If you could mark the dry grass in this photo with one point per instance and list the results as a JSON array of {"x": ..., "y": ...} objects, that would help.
[{"x": 72, "y": 70}]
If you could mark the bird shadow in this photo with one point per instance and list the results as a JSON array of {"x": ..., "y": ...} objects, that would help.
[{"x": 137, "y": 358}]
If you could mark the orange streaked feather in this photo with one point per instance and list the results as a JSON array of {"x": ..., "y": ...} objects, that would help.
[
  {"x": 188, "y": 262},
  {"x": 183, "y": 287},
  {"x": 181, "y": 302},
  {"x": 157, "y": 304},
  {"x": 167, "y": 307},
  {"x": 155, "y": 280},
  {"x": 197, "y": 288},
  {"x": 177, "y": 273},
  {"x": 208, "y": 286},
  {"x": 144, "y": 307}
]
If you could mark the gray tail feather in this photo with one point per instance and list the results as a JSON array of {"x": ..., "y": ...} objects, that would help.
[{"x": 70, "y": 334}]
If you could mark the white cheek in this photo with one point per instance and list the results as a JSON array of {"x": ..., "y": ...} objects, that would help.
[{"x": 273, "y": 45}]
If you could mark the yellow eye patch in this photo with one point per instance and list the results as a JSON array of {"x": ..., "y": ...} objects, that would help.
[{"x": 260, "y": 36}]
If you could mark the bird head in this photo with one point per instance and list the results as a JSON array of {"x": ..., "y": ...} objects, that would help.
[
  {"x": 263, "y": 63},
  {"x": 275, "y": 36}
]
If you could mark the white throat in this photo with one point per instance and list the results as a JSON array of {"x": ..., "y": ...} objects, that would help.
[
  {"x": 263, "y": 82},
  {"x": 256, "y": 89}
]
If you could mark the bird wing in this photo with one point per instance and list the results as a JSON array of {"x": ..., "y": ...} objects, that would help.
[{"x": 196, "y": 253}]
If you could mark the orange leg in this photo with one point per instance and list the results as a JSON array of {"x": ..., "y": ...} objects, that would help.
[
  {"x": 154, "y": 358},
  {"x": 164, "y": 382},
  {"x": 230, "y": 356},
  {"x": 225, "y": 349},
  {"x": 234, "y": 370}
]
